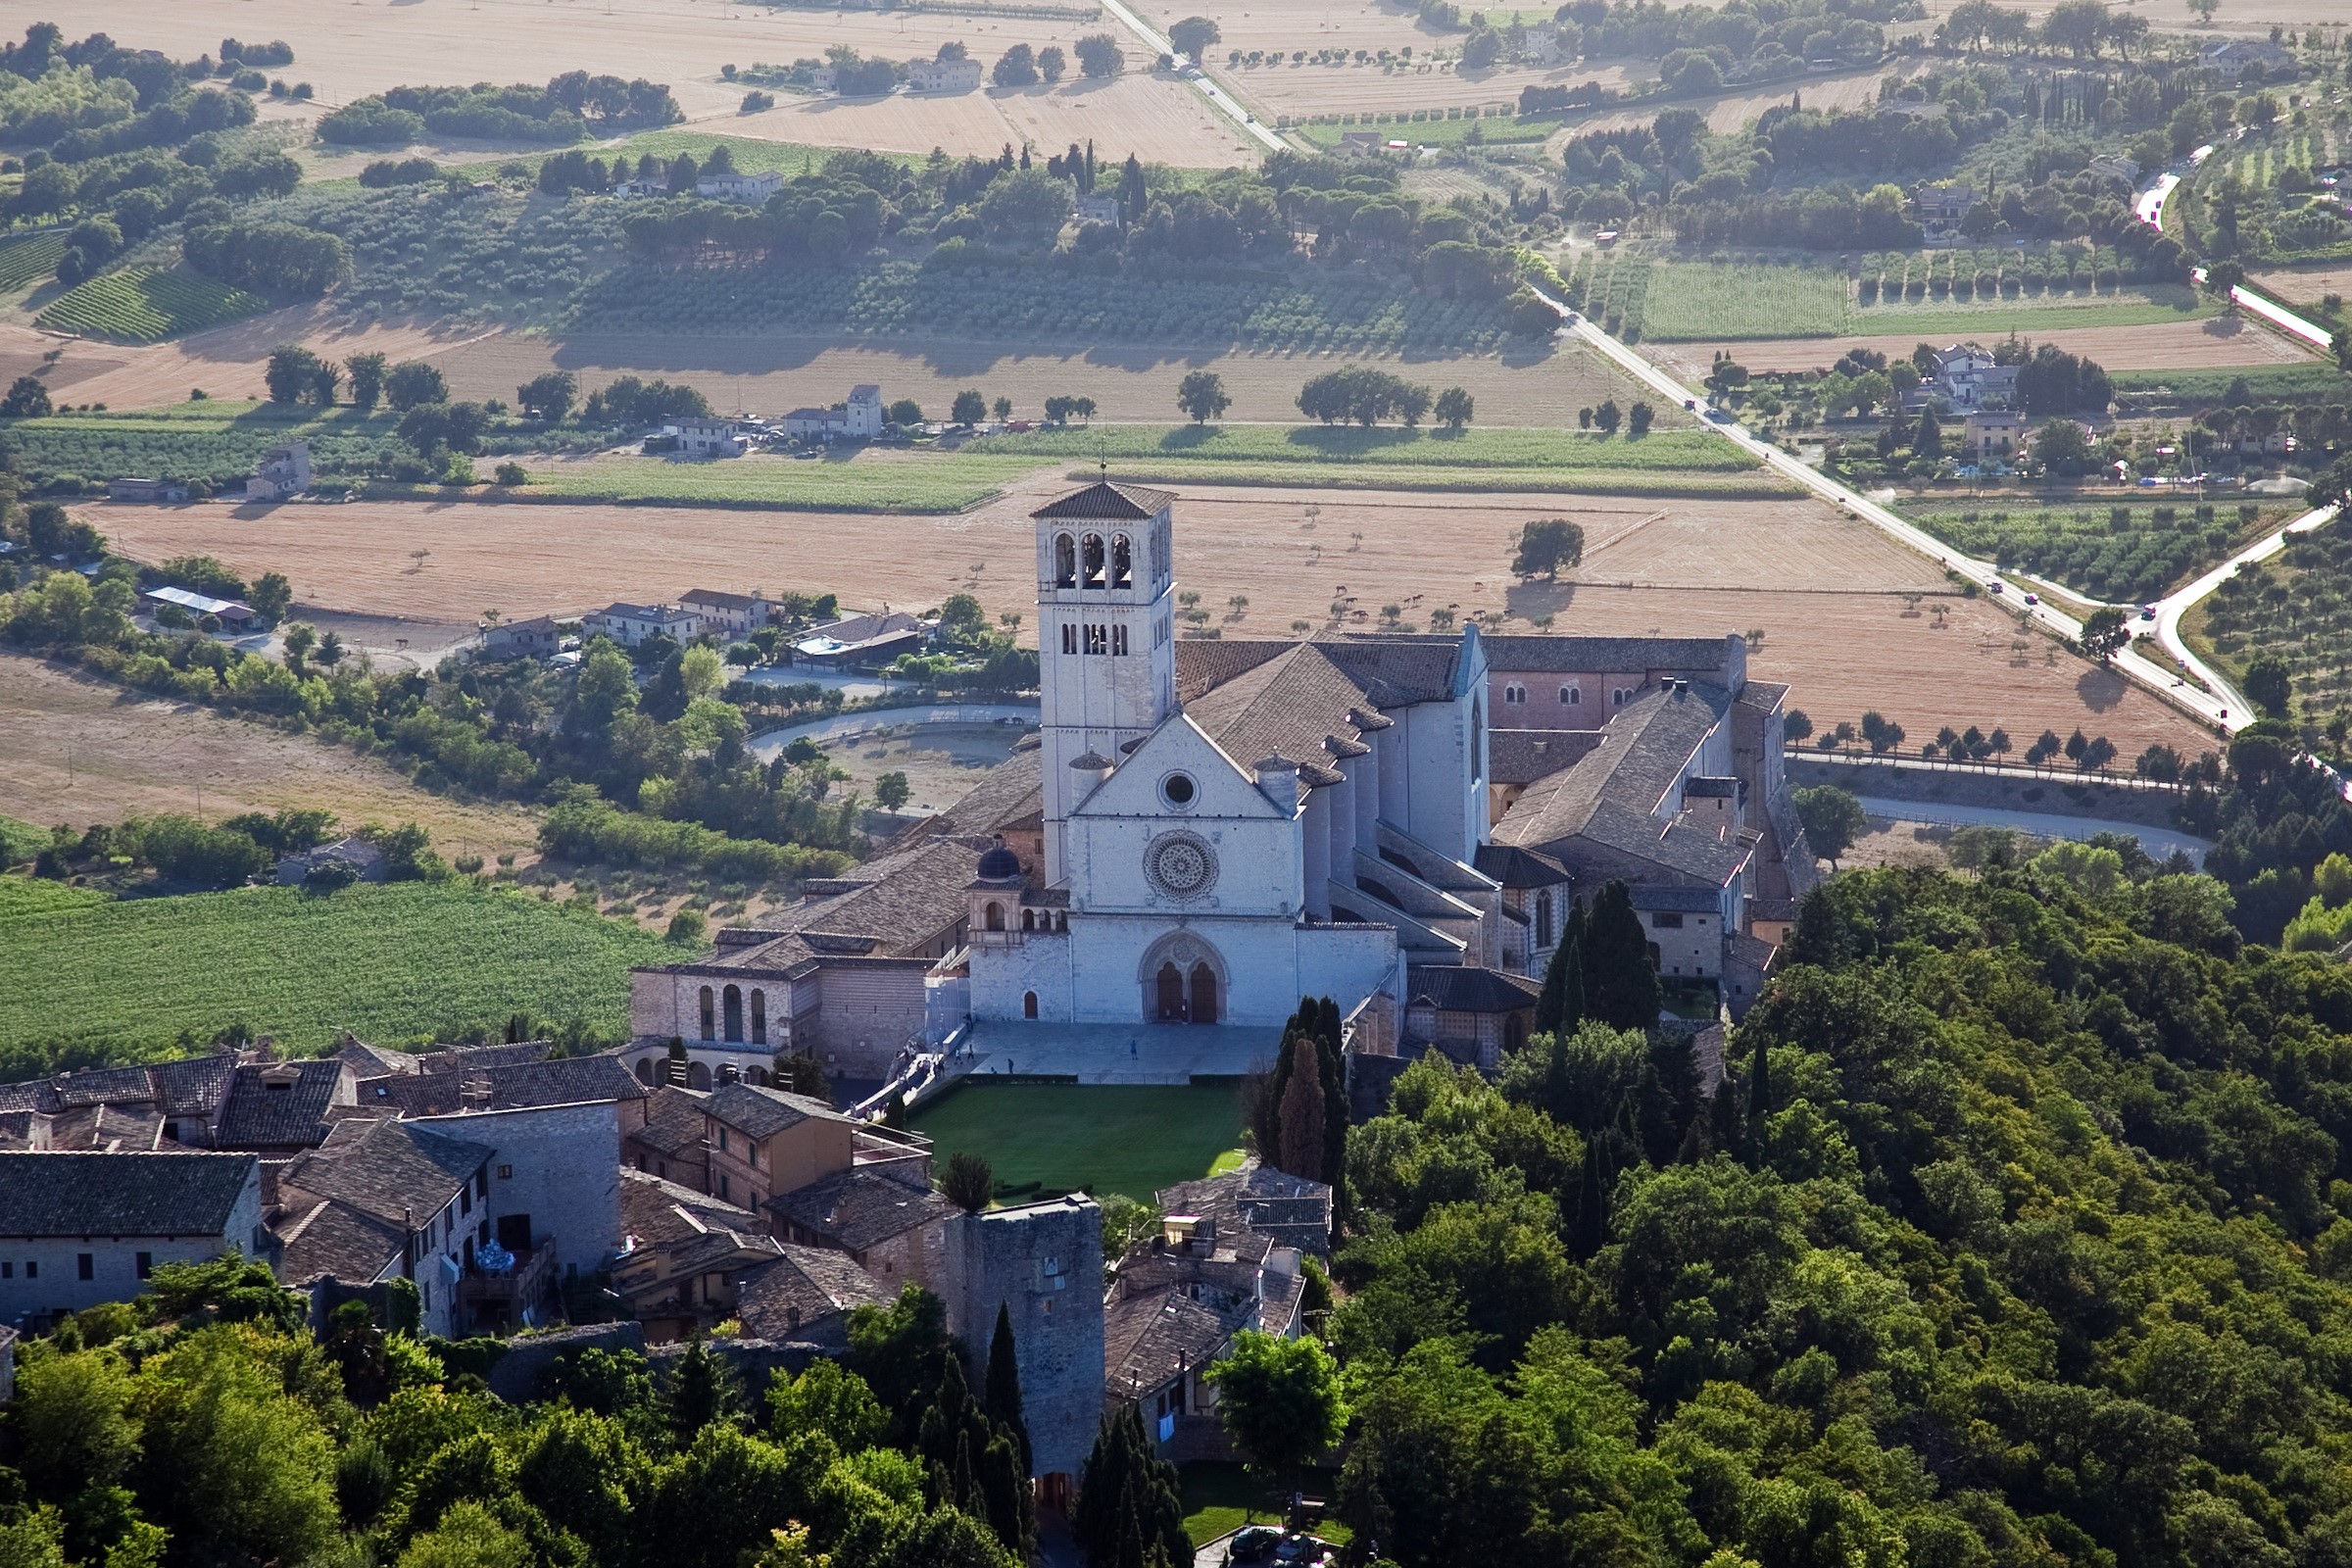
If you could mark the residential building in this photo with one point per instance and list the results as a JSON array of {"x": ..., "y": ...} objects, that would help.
[
  {"x": 725, "y": 613},
  {"x": 282, "y": 471},
  {"x": 2116, "y": 167},
  {"x": 857, "y": 419},
  {"x": 861, "y": 642},
  {"x": 2237, "y": 57},
  {"x": 708, "y": 438},
  {"x": 1098, "y": 209},
  {"x": 77, "y": 1229},
  {"x": 1993, "y": 437},
  {"x": 1943, "y": 206},
  {"x": 1968, "y": 378},
  {"x": 631, "y": 624},
  {"x": 673, "y": 1144},
  {"x": 279, "y": 1108},
  {"x": 537, "y": 638},
  {"x": 896, "y": 1232},
  {"x": 234, "y": 614},
  {"x": 738, "y": 187},
  {"x": 942, "y": 76},
  {"x": 357, "y": 853},
  {"x": 384, "y": 1198}
]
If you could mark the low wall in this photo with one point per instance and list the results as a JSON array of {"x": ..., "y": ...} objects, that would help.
[{"x": 2050, "y": 795}]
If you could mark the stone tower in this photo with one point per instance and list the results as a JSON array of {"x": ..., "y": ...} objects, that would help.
[{"x": 1105, "y": 638}]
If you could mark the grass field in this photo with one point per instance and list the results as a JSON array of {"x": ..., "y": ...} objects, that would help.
[
  {"x": 1387, "y": 449},
  {"x": 1689, "y": 300},
  {"x": 141, "y": 304},
  {"x": 1665, "y": 484},
  {"x": 1220, "y": 1498},
  {"x": 1069, "y": 1138},
  {"x": 2132, "y": 308},
  {"x": 30, "y": 258},
  {"x": 867, "y": 482},
  {"x": 2308, "y": 378},
  {"x": 402, "y": 963}
]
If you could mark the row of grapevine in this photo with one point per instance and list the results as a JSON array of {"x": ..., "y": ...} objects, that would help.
[{"x": 140, "y": 305}]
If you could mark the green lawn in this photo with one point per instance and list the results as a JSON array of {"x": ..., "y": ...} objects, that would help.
[
  {"x": 1690, "y": 300},
  {"x": 1387, "y": 447},
  {"x": 413, "y": 961},
  {"x": 2137, "y": 307},
  {"x": 1221, "y": 1497},
  {"x": 871, "y": 481},
  {"x": 1129, "y": 1139}
]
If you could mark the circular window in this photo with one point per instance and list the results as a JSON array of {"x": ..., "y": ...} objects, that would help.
[
  {"x": 1178, "y": 789},
  {"x": 1179, "y": 865}
]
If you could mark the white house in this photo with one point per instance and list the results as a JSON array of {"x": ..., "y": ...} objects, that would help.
[
  {"x": 630, "y": 624},
  {"x": 739, "y": 187},
  {"x": 942, "y": 76},
  {"x": 77, "y": 1229},
  {"x": 708, "y": 438},
  {"x": 859, "y": 418},
  {"x": 282, "y": 471}
]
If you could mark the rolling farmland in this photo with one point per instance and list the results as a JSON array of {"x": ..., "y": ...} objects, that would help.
[{"x": 30, "y": 258}]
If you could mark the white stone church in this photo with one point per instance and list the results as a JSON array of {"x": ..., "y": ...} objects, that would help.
[{"x": 1206, "y": 830}]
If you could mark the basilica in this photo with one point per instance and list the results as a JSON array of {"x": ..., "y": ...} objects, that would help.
[{"x": 1204, "y": 831}]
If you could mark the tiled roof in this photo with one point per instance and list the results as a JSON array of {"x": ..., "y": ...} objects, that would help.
[
  {"x": 99, "y": 1085},
  {"x": 507, "y": 1054},
  {"x": 389, "y": 1168},
  {"x": 1107, "y": 500},
  {"x": 857, "y": 1209},
  {"x": 258, "y": 1116},
  {"x": 759, "y": 1111},
  {"x": 915, "y": 893},
  {"x": 1651, "y": 895},
  {"x": 1283, "y": 707},
  {"x": 1148, "y": 1338},
  {"x": 1460, "y": 988},
  {"x": 369, "y": 1061},
  {"x": 1604, "y": 656},
  {"x": 108, "y": 1129},
  {"x": 523, "y": 1086},
  {"x": 337, "y": 1240},
  {"x": 658, "y": 1212},
  {"x": 1290, "y": 1210},
  {"x": 717, "y": 597},
  {"x": 1515, "y": 868},
  {"x": 1524, "y": 755},
  {"x": 193, "y": 1086},
  {"x": 24, "y": 1130},
  {"x": 802, "y": 1291},
  {"x": 674, "y": 1122},
  {"x": 1764, "y": 695},
  {"x": 122, "y": 1195}
]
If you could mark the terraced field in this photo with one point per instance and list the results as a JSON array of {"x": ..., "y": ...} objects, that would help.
[{"x": 141, "y": 304}]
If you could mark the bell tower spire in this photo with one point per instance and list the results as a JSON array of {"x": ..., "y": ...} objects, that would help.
[{"x": 1106, "y": 637}]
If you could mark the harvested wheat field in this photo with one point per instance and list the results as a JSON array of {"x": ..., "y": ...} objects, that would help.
[
  {"x": 225, "y": 361},
  {"x": 1132, "y": 382},
  {"x": 78, "y": 751},
  {"x": 1830, "y": 595},
  {"x": 1733, "y": 110},
  {"x": 2307, "y": 285},
  {"x": 2213, "y": 343},
  {"x": 1295, "y": 90},
  {"x": 1156, "y": 117}
]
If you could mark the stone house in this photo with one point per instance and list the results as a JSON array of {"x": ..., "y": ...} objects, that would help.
[
  {"x": 942, "y": 76},
  {"x": 630, "y": 624},
  {"x": 78, "y": 1229},
  {"x": 383, "y": 1199},
  {"x": 896, "y": 1231},
  {"x": 740, "y": 187},
  {"x": 1993, "y": 437},
  {"x": 727, "y": 614},
  {"x": 1041, "y": 1263},
  {"x": 282, "y": 471},
  {"x": 674, "y": 1143},
  {"x": 537, "y": 638}
]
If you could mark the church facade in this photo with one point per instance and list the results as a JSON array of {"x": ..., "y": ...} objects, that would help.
[{"x": 1205, "y": 830}]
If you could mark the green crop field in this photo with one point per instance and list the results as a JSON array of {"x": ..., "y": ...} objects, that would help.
[
  {"x": 2304, "y": 380},
  {"x": 751, "y": 155},
  {"x": 1119, "y": 1138},
  {"x": 214, "y": 440},
  {"x": 867, "y": 482},
  {"x": 1666, "y": 484},
  {"x": 29, "y": 260},
  {"x": 2129, "y": 553},
  {"x": 1690, "y": 300},
  {"x": 1463, "y": 130},
  {"x": 402, "y": 963},
  {"x": 2136, "y": 307},
  {"x": 1384, "y": 448},
  {"x": 141, "y": 304},
  {"x": 20, "y": 841}
]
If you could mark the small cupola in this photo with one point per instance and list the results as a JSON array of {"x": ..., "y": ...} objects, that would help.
[{"x": 999, "y": 863}]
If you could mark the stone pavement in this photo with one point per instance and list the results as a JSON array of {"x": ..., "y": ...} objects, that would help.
[{"x": 1121, "y": 1053}]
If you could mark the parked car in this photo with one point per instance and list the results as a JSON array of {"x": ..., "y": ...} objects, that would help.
[{"x": 1256, "y": 1543}]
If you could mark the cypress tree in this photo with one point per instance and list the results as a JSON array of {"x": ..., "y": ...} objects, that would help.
[
  {"x": 702, "y": 1389},
  {"x": 1335, "y": 1094},
  {"x": 1592, "y": 1211},
  {"x": 1302, "y": 1147},
  {"x": 1007, "y": 1501},
  {"x": 1327, "y": 1023},
  {"x": 963, "y": 1483},
  {"x": 1001, "y": 1386},
  {"x": 1125, "y": 1488},
  {"x": 1729, "y": 1133},
  {"x": 1621, "y": 983},
  {"x": 1759, "y": 1094}
]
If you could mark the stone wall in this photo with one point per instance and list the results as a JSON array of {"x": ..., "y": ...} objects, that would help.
[
  {"x": 559, "y": 1164},
  {"x": 1042, "y": 1262}
]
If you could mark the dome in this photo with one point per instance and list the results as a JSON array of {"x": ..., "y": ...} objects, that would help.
[{"x": 999, "y": 865}]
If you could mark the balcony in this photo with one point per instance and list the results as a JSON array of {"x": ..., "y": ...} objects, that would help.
[{"x": 503, "y": 1289}]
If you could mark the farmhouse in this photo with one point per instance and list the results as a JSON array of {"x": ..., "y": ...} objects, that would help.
[
  {"x": 147, "y": 490},
  {"x": 77, "y": 1229},
  {"x": 2238, "y": 56},
  {"x": 1966, "y": 377},
  {"x": 708, "y": 438},
  {"x": 1208, "y": 830},
  {"x": 234, "y": 614},
  {"x": 1943, "y": 206},
  {"x": 631, "y": 624},
  {"x": 1993, "y": 437},
  {"x": 2116, "y": 167},
  {"x": 858, "y": 420},
  {"x": 942, "y": 76},
  {"x": 733, "y": 614},
  {"x": 739, "y": 187},
  {"x": 282, "y": 471},
  {"x": 1098, "y": 209},
  {"x": 535, "y": 638}
]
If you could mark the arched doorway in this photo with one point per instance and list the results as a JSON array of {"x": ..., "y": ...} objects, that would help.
[
  {"x": 1171, "y": 994},
  {"x": 1028, "y": 1003},
  {"x": 1205, "y": 992}
]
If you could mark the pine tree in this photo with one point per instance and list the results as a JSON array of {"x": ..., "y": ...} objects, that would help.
[
  {"x": 1302, "y": 1148},
  {"x": 702, "y": 1389},
  {"x": 1002, "y": 1400}
]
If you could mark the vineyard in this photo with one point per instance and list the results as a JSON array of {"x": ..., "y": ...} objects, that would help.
[
  {"x": 141, "y": 304},
  {"x": 1543, "y": 451},
  {"x": 2121, "y": 554},
  {"x": 400, "y": 964},
  {"x": 29, "y": 260},
  {"x": 214, "y": 441},
  {"x": 1612, "y": 288},
  {"x": 1301, "y": 313}
]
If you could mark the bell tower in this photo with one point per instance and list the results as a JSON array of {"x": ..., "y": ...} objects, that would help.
[{"x": 1106, "y": 637}]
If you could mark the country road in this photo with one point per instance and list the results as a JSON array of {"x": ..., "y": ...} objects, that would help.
[{"x": 1218, "y": 98}]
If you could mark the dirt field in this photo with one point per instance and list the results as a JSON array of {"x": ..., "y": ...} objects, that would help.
[
  {"x": 348, "y": 51},
  {"x": 941, "y": 761},
  {"x": 2307, "y": 285},
  {"x": 76, "y": 751},
  {"x": 1854, "y": 90},
  {"x": 2218, "y": 341},
  {"x": 770, "y": 374},
  {"x": 225, "y": 361},
  {"x": 1828, "y": 595},
  {"x": 1307, "y": 88}
]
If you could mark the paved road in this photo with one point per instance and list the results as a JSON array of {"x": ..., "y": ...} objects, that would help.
[
  {"x": 2174, "y": 605},
  {"x": 2150, "y": 207},
  {"x": 1220, "y": 99},
  {"x": 1985, "y": 573}
]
